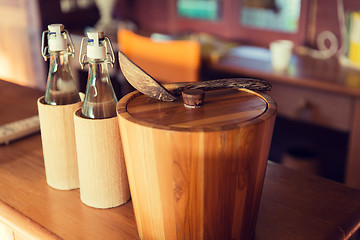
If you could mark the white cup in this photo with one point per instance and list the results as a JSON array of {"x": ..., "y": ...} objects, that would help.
[{"x": 281, "y": 51}]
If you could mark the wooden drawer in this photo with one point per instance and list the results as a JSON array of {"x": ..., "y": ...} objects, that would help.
[
  {"x": 6, "y": 233},
  {"x": 313, "y": 106}
]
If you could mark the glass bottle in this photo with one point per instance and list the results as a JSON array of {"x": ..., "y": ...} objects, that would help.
[
  {"x": 60, "y": 88},
  {"x": 100, "y": 99}
]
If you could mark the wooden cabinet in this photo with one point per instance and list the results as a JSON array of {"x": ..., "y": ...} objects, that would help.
[
  {"x": 312, "y": 90},
  {"x": 313, "y": 106},
  {"x": 6, "y": 233}
]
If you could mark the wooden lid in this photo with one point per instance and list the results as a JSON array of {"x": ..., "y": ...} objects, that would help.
[{"x": 222, "y": 109}]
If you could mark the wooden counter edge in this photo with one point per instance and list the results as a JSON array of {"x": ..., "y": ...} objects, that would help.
[{"x": 24, "y": 225}]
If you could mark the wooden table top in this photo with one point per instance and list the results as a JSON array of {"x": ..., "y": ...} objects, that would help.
[
  {"x": 293, "y": 205},
  {"x": 303, "y": 70}
]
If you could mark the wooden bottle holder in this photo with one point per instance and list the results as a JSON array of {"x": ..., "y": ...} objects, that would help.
[
  {"x": 102, "y": 171},
  {"x": 58, "y": 142}
]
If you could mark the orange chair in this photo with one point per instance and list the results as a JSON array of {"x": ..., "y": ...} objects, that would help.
[{"x": 166, "y": 61}]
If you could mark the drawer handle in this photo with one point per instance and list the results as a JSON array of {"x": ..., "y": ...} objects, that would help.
[{"x": 304, "y": 110}]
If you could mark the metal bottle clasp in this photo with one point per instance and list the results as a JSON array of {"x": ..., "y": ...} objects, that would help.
[
  {"x": 45, "y": 48},
  {"x": 83, "y": 58}
]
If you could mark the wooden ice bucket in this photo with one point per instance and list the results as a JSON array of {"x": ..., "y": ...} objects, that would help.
[{"x": 197, "y": 173}]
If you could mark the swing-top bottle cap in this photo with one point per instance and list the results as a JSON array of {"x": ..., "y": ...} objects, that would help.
[
  {"x": 56, "y": 39},
  {"x": 96, "y": 46}
]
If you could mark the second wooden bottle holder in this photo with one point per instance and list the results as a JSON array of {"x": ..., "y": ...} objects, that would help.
[
  {"x": 58, "y": 141},
  {"x": 102, "y": 171}
]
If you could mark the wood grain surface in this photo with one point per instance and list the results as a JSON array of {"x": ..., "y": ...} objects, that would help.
[
  {"x": 102, "y": 171},
  {"x": 59, "y": 147},
  {"x": 293, "y": 205},
  {"x": 219, "y": 111},
  {"x": 197, "y": 173},
  {"x": 28, "y": 205}
]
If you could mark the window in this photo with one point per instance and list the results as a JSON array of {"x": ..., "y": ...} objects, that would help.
[
  {"x": 281, "y": 15},
  {"x": 242, "y": 20},
  {"x": 199, "y": 9}
]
